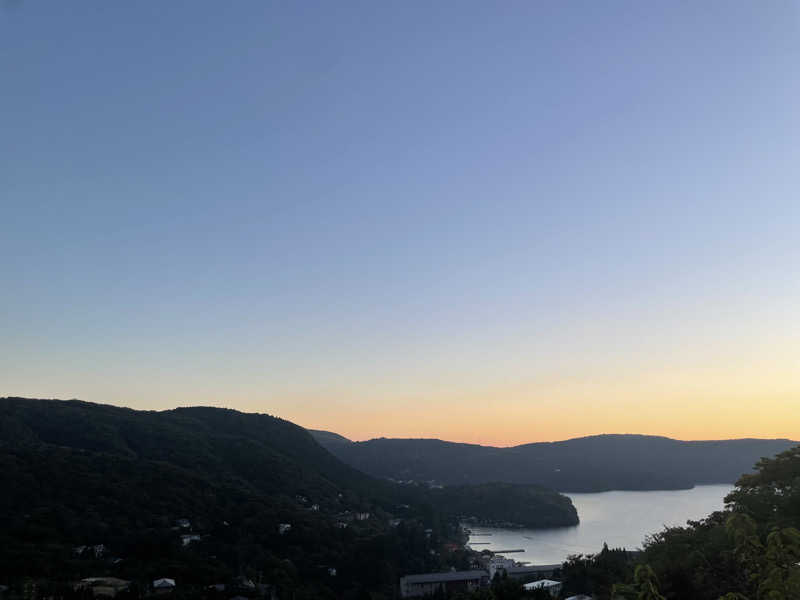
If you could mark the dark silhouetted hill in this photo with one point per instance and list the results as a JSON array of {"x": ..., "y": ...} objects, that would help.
[
  {"x": 74, "y": 473},
  {"x": 595, "y": 463},
  {"x": 328, "y": 438}
]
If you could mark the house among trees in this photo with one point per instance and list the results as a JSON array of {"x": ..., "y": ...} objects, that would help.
[
  {"x": 243, "y": 584},
  {"x": 106, "y": 587},
  {"x": 97, "y": 550},
  {"x": 163, "y": 585},
  {"x": 189, "y": 538}
]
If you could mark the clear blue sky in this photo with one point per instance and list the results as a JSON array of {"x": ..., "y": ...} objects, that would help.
[{"x": 349, "y": 214}]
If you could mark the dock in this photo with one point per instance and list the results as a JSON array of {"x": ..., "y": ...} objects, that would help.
[{"x": 508, "y": 551}]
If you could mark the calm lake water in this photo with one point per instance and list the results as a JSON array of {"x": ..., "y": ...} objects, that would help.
[{"x": 621, "y": 519}]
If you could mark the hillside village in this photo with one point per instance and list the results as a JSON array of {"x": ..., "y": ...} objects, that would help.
[{"x": 106, "y": 567}]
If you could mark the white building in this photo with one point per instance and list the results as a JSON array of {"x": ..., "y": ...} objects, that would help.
[
  {"x": 284, "y": 528},
  {"x": 554, "y": 587},
  {"x": 165, "y": 584},
  {"x": 500, "y": 564},
  {"x": 188, "y": 539}
]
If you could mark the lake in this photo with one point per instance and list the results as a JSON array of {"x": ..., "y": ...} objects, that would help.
[{"x": 620, "y": 519}]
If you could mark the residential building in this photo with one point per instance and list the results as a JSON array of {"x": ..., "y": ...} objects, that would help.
[
  {"x": 554, "y": 587},
  {"x": 526, "y": 571},
  {"x": 414, "y": 586},
  {"x": 501, "y": 564},
  {"x": 189, "y": 538},
  {"x": 107, "y": 587},
  {"x": 243, "y": 584},
  {"x": 163, "y": 585}
]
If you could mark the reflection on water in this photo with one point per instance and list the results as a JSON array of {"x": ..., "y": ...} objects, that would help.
[{"x": 620, "y": 519}]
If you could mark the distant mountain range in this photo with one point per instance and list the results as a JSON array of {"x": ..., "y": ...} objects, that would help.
[{"x": 587, "y": 464}]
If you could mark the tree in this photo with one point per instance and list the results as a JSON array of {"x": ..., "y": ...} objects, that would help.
[
  {"x": 644, "y": 587},
  {"x": 771, "y": 569}
]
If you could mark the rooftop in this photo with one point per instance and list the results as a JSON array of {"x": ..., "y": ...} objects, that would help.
[
  {"x": 542, "y": 583},
  {"x": 446, "y": 576}
]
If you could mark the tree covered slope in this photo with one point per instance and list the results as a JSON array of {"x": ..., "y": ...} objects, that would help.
[{"x": 75, "y": 473}]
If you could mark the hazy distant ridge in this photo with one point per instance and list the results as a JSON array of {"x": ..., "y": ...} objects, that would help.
[{"x": 594, "y": 463}]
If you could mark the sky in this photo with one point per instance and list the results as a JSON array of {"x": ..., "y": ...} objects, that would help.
[{"x": 485, "y": 222}]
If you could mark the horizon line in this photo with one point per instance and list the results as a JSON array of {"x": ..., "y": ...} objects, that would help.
[{"x": 434, "y": 439}]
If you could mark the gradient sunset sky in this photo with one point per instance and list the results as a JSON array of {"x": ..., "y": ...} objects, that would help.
[{"x": 494, "y": 222}]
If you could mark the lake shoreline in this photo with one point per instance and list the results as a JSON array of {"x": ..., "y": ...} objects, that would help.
[{"x": 620, "y": 518}]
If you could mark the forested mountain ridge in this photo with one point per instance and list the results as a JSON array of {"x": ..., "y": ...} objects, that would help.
[
  {"x": 75, "y": 473},
  {"x": 594, "y": 463},
  {"x": 252, "y": 449},
  {"x": 81, "y": 474}
]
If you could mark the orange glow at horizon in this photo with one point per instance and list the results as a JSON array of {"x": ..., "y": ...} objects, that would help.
[{"x": 702, "y": 405}]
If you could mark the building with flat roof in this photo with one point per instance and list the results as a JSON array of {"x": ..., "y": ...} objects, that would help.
[
  {"x": 415, "y": 586},
  {"x": 106, "y": 587},
  {"x": 525, "y": 571}
]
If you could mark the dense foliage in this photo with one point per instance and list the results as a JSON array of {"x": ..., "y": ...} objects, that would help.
[
  {"x": 596, "y": 574},
  {"x": 78, "y": 474},
  {"x": 750, "y": 551},
  {"x": 508, "y": 505},
  {"x": 590, "y": 464}
]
